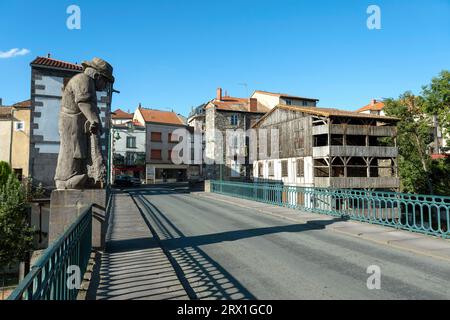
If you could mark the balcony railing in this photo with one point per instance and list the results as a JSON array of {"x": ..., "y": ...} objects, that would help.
[{"x": 355, "y": 151}]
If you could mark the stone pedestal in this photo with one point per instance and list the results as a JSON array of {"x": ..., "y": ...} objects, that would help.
[{"x": 67, "y": 205}]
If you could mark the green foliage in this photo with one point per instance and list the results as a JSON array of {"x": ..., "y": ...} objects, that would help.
[
  {"x": 16, "y": 237},
  {"x": 437, "y": 99},
  {"x": 418, "y": 172},
  {"x": 5, "y": 171}
]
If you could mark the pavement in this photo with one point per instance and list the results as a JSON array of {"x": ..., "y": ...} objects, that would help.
[
  {"x": 169, "y": 243},
  {"x": 414, "y": 242}
]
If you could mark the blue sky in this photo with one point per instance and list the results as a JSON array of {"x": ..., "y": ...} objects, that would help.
[{"x": 174, "y": 54}]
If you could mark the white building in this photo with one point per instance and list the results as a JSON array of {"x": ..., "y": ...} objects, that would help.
[
  {"x": 128, "y": 146},
  {"x": 271, "y": 100}
]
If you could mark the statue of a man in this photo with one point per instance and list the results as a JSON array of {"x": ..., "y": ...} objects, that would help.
[{"x": 80, "y": 161}]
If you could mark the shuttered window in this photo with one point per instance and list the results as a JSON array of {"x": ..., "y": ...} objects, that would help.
[{"x": 156, "y": 154}]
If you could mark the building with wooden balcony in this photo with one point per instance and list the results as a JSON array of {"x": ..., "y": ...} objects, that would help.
[{"x": 322, "y": 147}]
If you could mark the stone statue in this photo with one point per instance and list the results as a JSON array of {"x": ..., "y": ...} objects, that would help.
[{"x": 80, "y": 161}]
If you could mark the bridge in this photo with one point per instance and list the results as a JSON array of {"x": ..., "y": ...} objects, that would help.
[{"x": 253, "y": 241}]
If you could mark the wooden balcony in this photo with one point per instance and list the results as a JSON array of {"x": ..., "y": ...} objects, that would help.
[
  {"x": 355, "y": 151},
  {"x": 377, "y": 131}
]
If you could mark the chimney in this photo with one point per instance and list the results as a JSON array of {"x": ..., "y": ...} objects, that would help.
[
  {"x": 48, "y": 55},
  {"x": 253, "y": 105},
  {"x": 140, "y": 106},
  {"x": 374, "y": 101},
  {"x": 219, "y": 94}
]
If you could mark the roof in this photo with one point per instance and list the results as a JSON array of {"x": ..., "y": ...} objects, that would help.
[
  {"x": 158, "y": 116},
  {"x": 284, "y": 95},
  {"x": 5, "y": 112},
  {"x": 56, "y": 64},
  {"x": 136, "y": 124},
  {"x": 237, "y": 104},
  {"x": 120, "y": 114},
  {"x": 327, "y": 112},
  {"x": 23, "y": 104},
  {"x": 373, "y": 106}
]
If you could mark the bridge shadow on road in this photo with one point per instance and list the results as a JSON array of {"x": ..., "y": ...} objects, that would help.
[{"x": 202, "y": 277}]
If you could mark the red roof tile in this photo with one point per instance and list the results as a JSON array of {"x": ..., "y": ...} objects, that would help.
[
  {"x": 49, "y": 62},
  {"x": 120, "y": 114},
  {"x": 228, "y": 103},
  {"x": 23, "y": 104},
  {"x": 373, "y": 106},
  {"x": 159, "y": 116}
]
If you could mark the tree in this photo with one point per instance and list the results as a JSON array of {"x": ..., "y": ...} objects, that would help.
[
  {"x": 5, "y": 171},
  {"x": 413, "y": 137},
  {"x": 16, "y": 237},
  {"x": 437, "y": 99}
]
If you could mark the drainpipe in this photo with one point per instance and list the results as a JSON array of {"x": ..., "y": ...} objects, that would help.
[{"x": 11, "y": 137}]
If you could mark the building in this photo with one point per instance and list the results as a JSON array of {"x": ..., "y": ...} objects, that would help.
[
  {"x": 229, "y": 113},
  {"x": 160, "y": 140},
  {"x": 15, "y": 137},
  {"x": 48, "y": 78},
  {"x": 374, "y": 107},
  {"x": 321, "y": 147},
  {"x": 128, "y": 146},
  {"x": 271, "y": 100}
]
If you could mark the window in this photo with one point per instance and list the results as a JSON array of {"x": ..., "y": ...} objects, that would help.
[
  {"x": 288, "y": 102},
  {"x": 19, "y": 126},
  {"x": 260, "y": 169},
  {"x": 284, "y": 168},
  {"x": 300, "y": 168},
  {"x": 271, "y": 169},
  {"x": 234, "y": 120},
  {"x": 155, "y": 154},
  {"x": 304, "y": 103},
  {"x": 131, "y": 142},
  {"x": 169, "y": 154},
  {"x": 156, "y": 137},
  {"x": 173, "y": 137},
  {"x": 130, "y": 158},
  {"x": 19, "y": 174}
]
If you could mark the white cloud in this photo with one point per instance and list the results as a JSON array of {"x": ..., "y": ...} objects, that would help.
[{"x": 13, "y": 53}]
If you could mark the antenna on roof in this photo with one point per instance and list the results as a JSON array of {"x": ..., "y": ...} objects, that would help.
[{"x": 246, "y": 87}]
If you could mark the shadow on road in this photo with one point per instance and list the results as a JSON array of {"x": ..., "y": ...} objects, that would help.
[{"x": 204, "y": 278}]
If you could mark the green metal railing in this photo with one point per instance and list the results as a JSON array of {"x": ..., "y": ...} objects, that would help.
[
  {"x": 48, "y": 277},
  {"x": 418, "y": 213}
]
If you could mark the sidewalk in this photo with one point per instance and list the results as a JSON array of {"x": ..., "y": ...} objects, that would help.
[
  {"x": 400, "y": 239},
  {"x": 134, "y": 267}
]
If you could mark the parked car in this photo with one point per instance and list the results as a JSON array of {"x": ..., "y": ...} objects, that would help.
[
  {"x": 136, "y": 181},
  {"x": 123, "y": 181}
]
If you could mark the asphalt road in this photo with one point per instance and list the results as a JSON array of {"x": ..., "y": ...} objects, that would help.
[{"x": 223, "y": 251}]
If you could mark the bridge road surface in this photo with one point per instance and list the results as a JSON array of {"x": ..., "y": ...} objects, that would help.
[{"x": 222, "y": 251}]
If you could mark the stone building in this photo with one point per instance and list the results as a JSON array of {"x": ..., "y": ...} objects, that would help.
[
  {"x": 15, "y": 137},
  {"x": 48, "y": 78},
  {"x": 321, "y": 147},
  {"x": 229, "y": 113}
]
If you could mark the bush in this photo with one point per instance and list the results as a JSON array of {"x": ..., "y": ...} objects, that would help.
[
  {"x": 16, "y": 237},
  {"x": 5, "y": 172}
]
